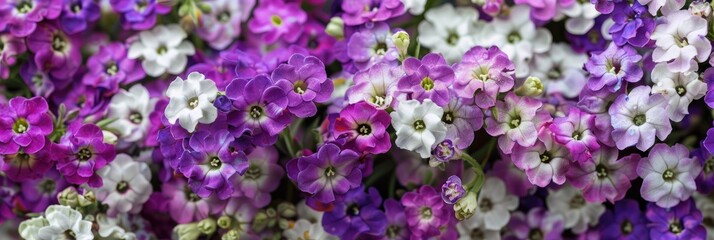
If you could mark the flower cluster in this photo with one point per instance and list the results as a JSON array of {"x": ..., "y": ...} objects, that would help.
[{"x": 356, "y": 119}]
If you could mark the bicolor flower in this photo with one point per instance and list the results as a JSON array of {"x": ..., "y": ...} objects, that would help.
[
  {"x": 376, "y": 86},
  {"x": 681, "y": 39},
  {"x": 561, "y": 70},
  {"x": 668, "y": 174},
  {"x": 305, "y": 82},
  {"x": 163, "y": 49},
  {"x": 452, "y": 190},
  {"x": 482, "y": 74},
  {"x": 516, "y": 120},
  {"x": 418, "y": 126},
  {"x": 574, "y": 131},
  {"x": 538, "y": 223},
  {"x": 605, "y": 177},
  {"x": 260, "y": 178},
  {"x": 365, "y": 126},
  {"x": 191, "y": 101},
  {"x": 613, "y": 67},
  {"x": 638, "y": 117},
  {"x": 543, "y": 162}
]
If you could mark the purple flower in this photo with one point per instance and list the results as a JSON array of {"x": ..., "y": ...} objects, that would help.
[
  {"x": 24, "y": 123},
  {"x": 10, "y": 47},
  {"x": 185, "y": 206},
  {"x": 482, "y": 74},
  {"x": 598, "y": 102},
  {"x": 372, "y": 45},
  {"x": 518, "y": 120},
  {"x": 574, "y": 131},
  {"x": 429, "y": 78},
  {"x": 452, "y": 190},
  {"x": 443, "y": 152},
  {"x": 110, "y": 67},
  {"x": 261, "y": 178},
  {"x": 76, "y": 14},
  {"x": 260, "y": 109},
  {"x": 537, "y": 224},
  {"x": 304, "y": 80},
  {"x": 682, "y": 221},
  {"x": 612, "y": 67},
  {"x": 425, "y": 211},
  {"x": 23, "y": 166},
  {"x": 396, "y": 220},
  {"x": 625, "y": 222},
  {"x": 365, "y": 127},
  {"x": 516, "y": 180},
  {"x": 357, "y": 12},
  {"x": 358, "y": 215},
  {"x": 543, "y": 162},
  {"x": 317, "y": 42},
  {"x": 605, "y": 6},
  {"x": 376, "y": 86},
  {"x": 708, "y": 78},
  {"x": 461, "y": 120},
  {"x": 637, "y": 117},
  {"x": 20, "y": 17},
  {"x": 605, "y": 177},
  {"x": 39, "y": 193},
  {"x": 328, "y": 174},
  {"x": 278, "y": 20},
  {"x": 668, "y": 174},
  {"x": 55, "y": 51},
  {"x": 81, "y": 152},
  {"x": 139, "y": 14},
  {"x": 39, "y": 82},
  {"x": 593, "y": 40},
  {"x": 633, "y": 24},
  {"x": 705, "y": 181}
]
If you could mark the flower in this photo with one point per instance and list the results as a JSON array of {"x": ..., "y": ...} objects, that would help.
[
  {"x": 681, "y": 221},
  {"x": 327, "y": 174},
  {"x": 465, "y": 207},
  {"x": 577, "y": 213},
  {"x": 538, "y": 223},
  {"x": 452, "y": 190},
  {"x": 667, "y": 7},
  {"x": 131, "y": 110},
  {"x": 543, "y": 162},
  {"x": 163, "y": 49},
  {"x": 55, "y": 52},
  {"x": 303, "y": 228},
  {"x": 574, "y": 132},
  {"x": 705, "y": 205},
  {"x": 606, "y": 176},
  {"x": 415, "y": 7},
  {"x": 62, "y": 221},
  {"x": 452, "y": 30},
  {"x": 109, "y": 68},
  {"x": 305, "y": 82},
  {"x": 418, "y": 126},
  {"x": 261, "y": 178},
  {"x": 680, "y": 40},
  {"x": 20, "y": 17},
  {"x": 139, "y": 14},
  {"x": 625, "y": 221},
  {"x": 22, "y": 165},
  {"x": 680, "y": 88},
  {"x": 365, "y": 126},
  {"x": 76, "y": 14},
  {"x": 278, "y": 20},
  {"x": 461, "y": 121},
  {"x": 517, "y": 119},
  {"x": 184, "y": 206},
  {"x": 25, "y": 123},
  {"x": 127, "y": 185},
  {"x": 190, "y": 101},
  {"x": 358, "y": 12},
  {"x": 260, "y": 109},
  {"x": 396, "y": 220},
  {"x": 545, "y": 10},
  {"x": 581, "y": 16},
  {"x": 223, "y": 23},
  {"x": 637, "y": 117},
  {"x": 425, "y": 212},
  {"x": 633, "y": 24},
  {"x": 377, "y": 85},
  {"x": 372, "y": 45},
  {"x": 11, "y": 47},
  {"x": 482, "y": 74},
  {"x": 81, "y": 153},
  {"x": 494, "y": 205},
  {"x": 38, "y": 194},
  {"x": 705, "y": 180},
  {"x": 613, "y": 66},
  {"x": 357, "y": 217},
  {"x": 428, "y": 78},
  {"x": 561, "y": 70},
  {"x": 668, "y": 174}
]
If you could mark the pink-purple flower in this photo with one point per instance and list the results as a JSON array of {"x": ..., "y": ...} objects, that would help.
[
  {"x": 668, "y": 174},
  {"x": 482, "y": 74},
  {"x": 357, "y": 12},
  {"x": 429, "y": 78},
  {"x": 25, "y": 123},
  {"x": 277, "y": 20},
  {"x": 605, "y": 177},
  {"x": 305, "y": 82},
  {"x": 544, "y": 162},
  {"x": 81, "y": 153},
  {"x": 516, "y": 120},
  {"x": 365, "y": 128},
  {"x": 575, "y": 131},
  {"x": 328, "y": 174},
  {"x": 20, "y": 17}
]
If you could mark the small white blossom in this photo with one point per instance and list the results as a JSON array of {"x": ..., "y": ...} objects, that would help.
[
  {"x": 191, "y": 101},
  {"x": 304, "y": 229},
  {"x": 131, "y": 110},
  {"x": 163, "y": 49},
  {"x": 415, "y": 7},
  {"x": 494, "y": 205},
  {"x": 561, "y": 70},
  {"x": 418, "y": 126},
  {"x": 581, "y": 17},
  {"x": 449, "y": 31},
  {"x": 577, "y": 213},
  {"x": 680, "y": 88},
  {"x": 127, "y": 185},
  {"x": 62, "y": 222},
  {"x": 667, "y": 6}
]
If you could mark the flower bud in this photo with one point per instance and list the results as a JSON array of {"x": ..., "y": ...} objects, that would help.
[
  {"x": 109, "y": 137},
  {"x": 222, "y": 103},
  {"x": 336, "y": 28},
  {"x": 286, "y": 210},
  {"x": 466, "y": 206},
  {"x": 452, "y": 190},
  {"x": 260, "y": 221},
  {"x": 187, "y": 231},
  {"x": 224, "y": 222},
  {"x": 231, "y": 235},
  {"x": 68, "y": 197},
  {"x": 207, "y": 226},
  {"x": 444, "y": 151},
  {"x": 531, "y": 87},
  {"x": 87, "y": 199},
  {"x": 700, "y": 8},
  {"x": 401, "y": 41}
]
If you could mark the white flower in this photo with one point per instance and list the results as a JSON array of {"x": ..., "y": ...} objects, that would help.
[
  {"x": 706, "y": 206},
  {"x": 561, "y": 70},
  {"x": 415, "y": 7},
  {"x": 418, "y": 126},
  {"x": 306, "y": 212},
  {"x": 131, "y": 110},
  {"x": 28, "y": 228},
  {"x": 468, "y": 231},
  {"x": 191, "y": 101},
  {"x": 494, "y": 205},
  {"x": 680, "y": 88},
  {"x": 581, "y": 17},
  {"x": 64, "y": 223},
  {"x": 680, "y": 40},
  {"x": 449, "y": 31},
  {"x": 164, "y": 49},
  {"x": 127, "y": 185},
  {"x": 668, "y": 6},
  {"x": 517, "y": 36},
  {"x": 115, "y": 227},
  {"x": 577, "y": 213},
  {"x": 304, "y": 229}
]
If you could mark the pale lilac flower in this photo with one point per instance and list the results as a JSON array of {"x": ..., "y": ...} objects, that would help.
[
  {"x": 482, "y": 74},
  {"x": 638, "y": 117},
  {"x": 680, "y": 88},
  {"x": 680, "y": 40},
  {"x": 543, "y": 162},
  {"x": 517, "y": 120},
  {"x": 561, "y": 70},
  {"x": 376, "y": 86},
  {"x": 574, "y": 131},
  {"x": 605, "y": 177},
  {"x": 372, "y": 45},
  {"x": 461, "y": 120},
  {"x": 668, "y": 174}
]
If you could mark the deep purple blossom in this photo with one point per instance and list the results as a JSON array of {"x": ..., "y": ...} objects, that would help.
[
  {"x": 25, "y": 123},
  {"x": 24, "y": 166},
  {"x": 357, "y": 12},
  {"x": 428, "y": 78},
  {"x": 396, "y": 220},
  {"x": 365, "y": 128},
  {"x": 305, "y": 82},
  {"x": 328, "y": 174},
  {"x": 613, "y": 67},
  {"x": 39, "y": 193},
  {"x": 538, "y": 223},
  {"x": 139, "y": 14},
  {"x": 357, "y": 216},
  {"x": 482, "y": 74},
  {"x": 20, "y": 17},
  {"x": 425, "y": 211},
  {"x": 633, "y": 24},
  {"x": 626, "y": 221},
  {"x": 605, "y": 6},
  {"x": 109, "y": 68},
  {"x": 605, "y": 177},
  {"x": 260, "y": 109},
  {"x": 278, "y": 20},
  {"x": 372, "y": 45},
  {"x": 55, "y": 51},
  {"x": 575, "y": 131},
  {"x": 78, "y": 14},
  {"x": 81, "y": 152},
  {"x": 683, "y": 221},
  {"x": 705, "y": 180},
  {"x": 452, "y": 190}
]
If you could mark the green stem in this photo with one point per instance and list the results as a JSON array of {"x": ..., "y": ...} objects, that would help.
[
  {"x": 466, "y": 157},
  {"x": 491, "y": 144},
  {"x": 288, "y": 143}
]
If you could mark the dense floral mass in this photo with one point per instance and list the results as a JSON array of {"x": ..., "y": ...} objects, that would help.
[{"x": 356, "y": 119}]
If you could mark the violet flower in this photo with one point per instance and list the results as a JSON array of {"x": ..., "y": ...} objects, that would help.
[
  {"x": 543, "y": 162},
  {"x": 305, "y": 82},
  {"x": 81, "y": 153},
  {"x": 668, "y": 174},
  {"x": 638, "y": 117},
  {"x": 328, "y": 174},
  {"x": 682, "y": 221},
  {"x": 613, "y": 66},
  {"x": 605, "y": 177},
  {"x": 516, "y": 120},
  {"x": 38, "y": 194},
  {"x": 55, "y": 51},
  {"x": 396, "y": 220},
  {"x": 259, "y": 108},
  {"x": 357, "y": 12},
  {"x": 376, "y": 86},
  {"x": 10, "y": 47},
  {"x": 429, "y": 78},
  {"x": 22, "y": 165},
  {"x": 482, "y": 74},
  {"x": 372, "y": 45},
  {"x": 357, "y": 217},
  {"x": 365, "y": 127},
  {"x": 25, "y": 123},
  {"x": 574, "y": 131},
  {"x": 77, "y": 14},
  {"x": 278, "y": 20},
  {"x": 625, "y": 221},
  {"x": 538, "y": 223},
  {"x": 109, "y": 68},
  {"x": 425, "y": 211},
  {"x": 223, "y": 24},
  {"x": 633, "y": 24},
  {"x": 705, "y": 180},
  {"x": 20, "y": 17},
  {"x": 452, "y": 190},
  {"x": 139, "y": 14},
  {"x": 261, "y": 178},
  {"x": 184, "y": 206}
]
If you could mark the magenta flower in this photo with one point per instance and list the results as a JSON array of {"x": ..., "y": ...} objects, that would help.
[
  {"x": 23, "y": 166},
  {"x": 605, "y": 177},
  {"x": 428, "y": 78},
  {"x": 139, "y": 14},
  {"x": 575, "y": 132},
  {"x": 25, "y": 123},
  {"x": 304, "y": 80},
  {"x": 683, "y": 221},
  {"x": 668, "y": 174},
  {"x": 260, "y": 109},
  {"x": 11, "y": 47},
  {"x": 365, "y": 127},
  {"x": 261, "y": 178},
  {"x": 328, "y": 174},
  {"x": 357, "y": 12},
  {"x": 81, "y": 152},
  {"x": 278, "y": 20},
  {"x": 612, "y": 67},
  {"x": 545, "y": 10},
  {"x": 372, "y": 45},
  {"x": 482, "y": 74},
  {"x": 543, "y": 162},
  {"x": 425, "y": 211},
  {"x": 516, "y": 120},
  {"x": 452, "y": 190},
  {"x": 20, "y": 17},
  {"x": 109, "y": 68},
  {"x": 461, "y": 120},
  {"x": 55, "y": 51},
  {"x": 638, "y": 117}
]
